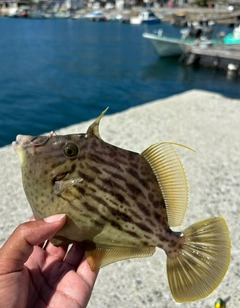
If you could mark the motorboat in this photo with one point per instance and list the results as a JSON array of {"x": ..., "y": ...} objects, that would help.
[
  {"x": 233, "y": 38},
  {"x": 96, "y": 16},
  {"x": 179, "y": 19},
  {"x": 62, "y": 14},
  {"x": 174, "y": 47},
  {"x": 167, "y": 46},
  {"x": 36, "y": 15},
  {"x": 21, "y": 12},
  {"x": 145, "y": 17}
]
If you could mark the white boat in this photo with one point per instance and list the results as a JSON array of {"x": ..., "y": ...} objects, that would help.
[
  {"x": 11, "y": 11},
  {"x": 167, "y": 46},
  {"x": 175, "y": 47},
  {"x": 145, "y": 17},
  {"x": 62, "y": 14},
  {"x": 233, "y": 38},
  {"x": 77, "y": 16},
  {"x": 96, "y": 16},
  {"x": 48, "y": 15},
  {"x": 21, "y": 12},
  {"x": 36, "y": 15}
]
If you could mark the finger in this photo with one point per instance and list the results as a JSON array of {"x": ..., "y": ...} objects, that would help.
[
  {"x": 56, "y": 252},
  {"x": 32, "y": 218},
  {"x": 87, "y": 274},
  {"x": 88, "y": 278},
  {"x": 75, "y": 255},
  {"x": 19, "y": 246},
  {"x": 41, "y": 245}
]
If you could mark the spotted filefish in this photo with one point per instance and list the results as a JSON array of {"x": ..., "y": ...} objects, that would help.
[{"x": 122, "y": 204}]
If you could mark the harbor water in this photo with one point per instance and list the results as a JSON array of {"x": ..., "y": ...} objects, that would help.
[{"x": 58, "y": 72}]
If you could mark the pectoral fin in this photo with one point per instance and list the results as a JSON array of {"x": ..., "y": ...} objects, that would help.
[
  {"x": 67, "y": 189},
  {"x": 171, "y": 177},
  {"x": 98, "y": 256}
]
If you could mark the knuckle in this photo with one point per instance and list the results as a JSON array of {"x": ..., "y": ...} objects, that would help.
[{"x": 22, "y": 229}]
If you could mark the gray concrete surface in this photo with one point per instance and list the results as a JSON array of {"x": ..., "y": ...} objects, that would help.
[{"x": 206, "y": 122}]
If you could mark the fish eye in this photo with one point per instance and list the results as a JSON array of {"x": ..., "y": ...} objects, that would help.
[{"x": 70, "y": 150}]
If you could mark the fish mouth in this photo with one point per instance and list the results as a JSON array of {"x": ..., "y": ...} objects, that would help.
[
  {"x": 18, "y": 146},
  {"x": 25, "y": 141},
  {"x": 21, "y": 140}
]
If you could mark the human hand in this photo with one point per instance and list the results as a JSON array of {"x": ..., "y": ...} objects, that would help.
[{"x": 34, "y": 277}]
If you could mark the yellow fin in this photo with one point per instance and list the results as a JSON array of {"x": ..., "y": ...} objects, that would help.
[
  {"x": 203, "y": 261},
  {"x": 67, "y": 188},
  {"x": 98, "y": 257},
  {"x": 94, "y": 127},
  {"x": 171, "y": 177}
]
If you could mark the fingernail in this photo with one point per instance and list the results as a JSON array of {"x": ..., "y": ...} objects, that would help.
[{"x": 54, "y": 218}]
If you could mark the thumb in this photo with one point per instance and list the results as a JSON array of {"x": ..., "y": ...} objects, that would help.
[{"x": 19, "y": 246}]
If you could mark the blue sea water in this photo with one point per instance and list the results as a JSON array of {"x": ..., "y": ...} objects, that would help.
[{"x": 54, "y": 73}]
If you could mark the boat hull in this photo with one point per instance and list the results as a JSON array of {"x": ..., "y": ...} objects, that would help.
[
  {"x": 167, "y": 47},
  {"x": 152, "y": 21}
]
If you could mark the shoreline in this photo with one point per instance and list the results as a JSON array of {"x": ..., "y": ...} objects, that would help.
[{"x": 192, "y": 13}]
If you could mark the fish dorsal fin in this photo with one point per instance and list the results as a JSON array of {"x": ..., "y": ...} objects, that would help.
[
  {"x": 171, "y": 177},
  {"x": 101, "y": 256},
  {"x": 94, "y": 127}
]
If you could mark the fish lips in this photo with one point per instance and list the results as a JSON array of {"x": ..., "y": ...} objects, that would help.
[
  {"x": 21, "y": 140},
  {"x": 36, "y": 141},
  {"x": 18, "y": 146},
  {"x": 22, "y": 145}
]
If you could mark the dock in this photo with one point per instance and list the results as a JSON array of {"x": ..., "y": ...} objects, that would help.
[{"x": 221, "y": 56}]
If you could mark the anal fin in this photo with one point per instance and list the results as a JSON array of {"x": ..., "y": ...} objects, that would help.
[{"x": 98, "y": 257}]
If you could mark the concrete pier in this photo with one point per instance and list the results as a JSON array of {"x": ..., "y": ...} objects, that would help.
[{"x": 208, "y": 123}]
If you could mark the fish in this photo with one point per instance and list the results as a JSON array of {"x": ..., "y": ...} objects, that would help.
[{"x": 123, "y": 205}]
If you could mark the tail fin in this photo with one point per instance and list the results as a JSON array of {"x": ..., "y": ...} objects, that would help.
[{"x": 203, "y": 261}]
